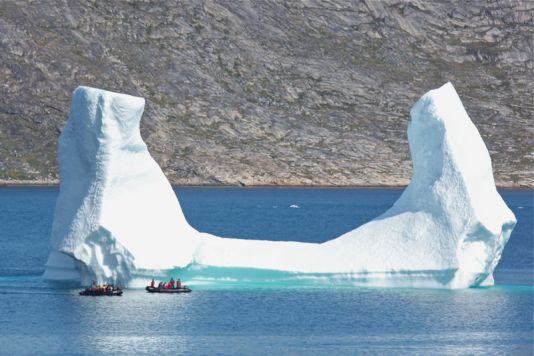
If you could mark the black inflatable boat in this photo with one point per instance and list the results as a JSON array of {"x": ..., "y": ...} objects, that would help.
[
  {"x": 101, "y": 292},
  {"x": 184, "y": 289}
]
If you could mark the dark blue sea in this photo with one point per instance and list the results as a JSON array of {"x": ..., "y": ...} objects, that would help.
[{"x": 236, "y": 314}]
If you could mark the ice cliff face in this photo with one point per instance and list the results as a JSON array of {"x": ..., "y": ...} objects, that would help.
[{"x": 117, "y": 212}]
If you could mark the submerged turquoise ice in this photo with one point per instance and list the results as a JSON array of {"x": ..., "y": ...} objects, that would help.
[{"x": 257, "y": 312}]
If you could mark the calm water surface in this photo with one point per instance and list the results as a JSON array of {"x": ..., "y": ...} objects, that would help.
[{"x": 237, "y": 316}]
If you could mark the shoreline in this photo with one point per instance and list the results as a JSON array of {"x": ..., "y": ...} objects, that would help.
[{"x": 43, "y": 183}]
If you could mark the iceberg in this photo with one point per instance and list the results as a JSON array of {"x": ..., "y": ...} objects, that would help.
[{"x": 117, "y": 213}]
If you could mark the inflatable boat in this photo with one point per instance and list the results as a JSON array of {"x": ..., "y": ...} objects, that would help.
[
  {"x": 184, "y": 289},
  {"x": 101, "y": 292}
]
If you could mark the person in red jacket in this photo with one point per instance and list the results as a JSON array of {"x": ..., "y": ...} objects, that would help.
[
  {"x": 152, "y": 283},
  {"x": 178, "y": 284}
]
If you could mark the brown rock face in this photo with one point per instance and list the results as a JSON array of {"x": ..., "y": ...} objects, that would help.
[{"x": 269, "y": 92}]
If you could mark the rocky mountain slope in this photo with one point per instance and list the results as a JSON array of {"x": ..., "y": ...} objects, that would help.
[{"x": 269, "y": 92}]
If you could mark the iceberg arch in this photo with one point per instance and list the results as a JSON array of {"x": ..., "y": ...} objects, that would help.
[{"x": 116, "y": 211}]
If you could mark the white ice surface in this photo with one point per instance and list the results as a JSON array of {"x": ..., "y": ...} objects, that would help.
[{"x": 117, "y": 212}]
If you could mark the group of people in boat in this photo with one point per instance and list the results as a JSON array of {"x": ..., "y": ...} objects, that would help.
[
  {"x": 167, "y": 285},
  {"x": 104, "y": 288}
]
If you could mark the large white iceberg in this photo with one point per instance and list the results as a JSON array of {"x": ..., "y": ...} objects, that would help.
[{"x": 116, "y": 211}]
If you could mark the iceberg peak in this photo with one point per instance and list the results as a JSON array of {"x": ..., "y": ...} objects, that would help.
[{"x": 113, "y": 195}]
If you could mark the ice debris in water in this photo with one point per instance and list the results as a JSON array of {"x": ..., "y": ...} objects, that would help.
[{"x": 116, "y": 211}]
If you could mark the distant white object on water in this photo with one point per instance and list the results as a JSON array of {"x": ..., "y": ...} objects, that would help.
[
  {"x": 117, "y": 212},
  {"x": 294, "y": 206}
]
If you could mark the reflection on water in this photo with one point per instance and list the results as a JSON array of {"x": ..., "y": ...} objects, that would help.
[{"x": 289, "y": 319}]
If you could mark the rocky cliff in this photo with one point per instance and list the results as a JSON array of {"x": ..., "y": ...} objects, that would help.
[{"x": 269, "y": 92}]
